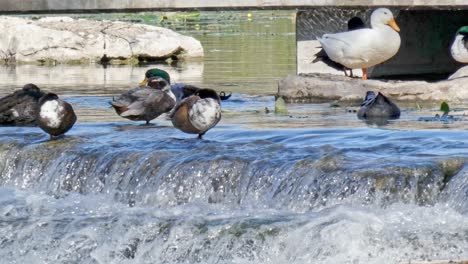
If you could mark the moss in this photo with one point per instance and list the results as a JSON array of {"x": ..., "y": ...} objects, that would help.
[
  {"x": 280, "y": 106},
  {"x": 450, "y": 168}
]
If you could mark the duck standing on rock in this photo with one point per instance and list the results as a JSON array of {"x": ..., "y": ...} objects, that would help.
[
  {"x": 353, "y": 24},
  {"x": 197, "y": 113},
  {"x": 146, "y": 102},
  {"x": 54, "y": 115},
  {"x": 19, "y": 108},
  {"x": 459, "y": 47},
  {"x": 378, "y": 106},
  {"x": 364, "y": 48}
]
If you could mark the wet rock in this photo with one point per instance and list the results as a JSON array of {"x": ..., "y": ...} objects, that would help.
[
  {"x": 280, "y": 106},
  {"x": 66, "y": 40},
  {"x": 308, "y": 88}
]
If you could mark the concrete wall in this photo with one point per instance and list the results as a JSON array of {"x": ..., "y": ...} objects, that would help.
[
  {"x": 426, "y": 36},
  {"x": 60, "y": 6}
]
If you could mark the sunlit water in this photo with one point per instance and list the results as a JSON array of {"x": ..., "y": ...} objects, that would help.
[{"x": 314, "y": 186}]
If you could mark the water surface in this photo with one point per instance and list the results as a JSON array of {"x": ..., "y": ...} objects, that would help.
[{"x": 315, "y": 185}]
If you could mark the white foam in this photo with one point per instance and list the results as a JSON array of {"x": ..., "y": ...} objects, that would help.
[{"x": 50, "y": 111}]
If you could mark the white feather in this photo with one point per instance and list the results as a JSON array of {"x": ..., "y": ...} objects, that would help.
[
  {"x": 366, "y": 47},
  {"x": 205, "y": 113},
  {"x": 50, "y": 111},
  {"x": 458, "y": 50}
]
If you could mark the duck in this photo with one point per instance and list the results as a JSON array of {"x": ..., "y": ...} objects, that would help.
[
  {"x": 459, "y": 47},
  {"x": 180, "y": 90},
  {"x": 54, "y": 115},
  {"x": 378, "y": 106},
  {"x": 146, "y": 102},
  {"x": 197, "y": 113},
  {"x": 19, "y": 108},
  {"x": 353, "y": 24},
  {"x": 366, "y": 47}
]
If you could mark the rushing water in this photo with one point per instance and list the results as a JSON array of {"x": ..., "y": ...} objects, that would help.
[{"x": 314, "y": 186}]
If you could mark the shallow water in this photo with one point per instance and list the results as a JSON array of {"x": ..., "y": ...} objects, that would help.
[{"x": 314, "y": 186}]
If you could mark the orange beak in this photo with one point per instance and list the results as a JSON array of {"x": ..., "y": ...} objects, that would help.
[{"x": 393, "y": 25}]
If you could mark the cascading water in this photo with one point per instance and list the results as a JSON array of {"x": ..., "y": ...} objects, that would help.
[{"x": 102, "y": 195}]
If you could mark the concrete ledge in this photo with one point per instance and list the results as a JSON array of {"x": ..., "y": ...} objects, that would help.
[
  {"x": 312, "y": 88},
  {"x": 60, "y": 6}
]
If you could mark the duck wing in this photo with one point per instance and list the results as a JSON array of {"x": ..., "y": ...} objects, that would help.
[
  {"x": 132, "y": 100},
  {"x": 182, "y": 90},
  {"x": 350, "y": 47},
  {"x": 142, "y": 100}
]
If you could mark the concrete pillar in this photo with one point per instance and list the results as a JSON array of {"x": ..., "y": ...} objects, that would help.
[{"x": 426, "y": 36}]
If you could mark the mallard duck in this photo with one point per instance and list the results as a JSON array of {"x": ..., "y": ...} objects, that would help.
[
  {"x": 19, "y": 108},
  {"x": 197, "y": 113},
  {"x": 180, "y": 90},
  {"x": 353, "y": 24},
  {"x": 146, "y": 102},
  {"x": 459, "y": 47},
  {"x": 364, "y": 48},
  {"x": 378, "y": 107},
  {"x": 54, "y": 115}
]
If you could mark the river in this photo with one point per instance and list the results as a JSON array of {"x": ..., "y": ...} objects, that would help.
[{"x": 316, "y": 185}]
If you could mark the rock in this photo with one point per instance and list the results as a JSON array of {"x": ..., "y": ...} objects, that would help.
[
  {"x": 67, "y": 40},
  {"x": 280, "y": 106},
  {"x": 309, "y": 88},
  {"x": 460, "y": 73}
]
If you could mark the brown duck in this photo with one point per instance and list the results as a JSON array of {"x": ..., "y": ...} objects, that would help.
[
  {"x": 54, "y": 115},
  {"x": 146, "y": 102},
  {"x": 197, "y": 113}
]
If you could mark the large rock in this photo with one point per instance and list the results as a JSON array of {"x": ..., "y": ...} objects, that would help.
[
  {"x": 327, "y": 87},
  {"x": 66, "y": 40}
]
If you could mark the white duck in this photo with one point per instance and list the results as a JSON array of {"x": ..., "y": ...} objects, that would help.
[
  {"x": 364, "y": 48},
  {"x": 459, "y": 48}
]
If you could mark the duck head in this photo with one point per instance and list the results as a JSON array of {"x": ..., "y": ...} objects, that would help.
[
  {"x": 33, "y": 90},
  {"x": 158, "y": 83},
  {"x": 383, "y": 17},
  {"x": 463, "y": 31},
  {"x": 48, "y": 97},
  {"x": 156, "y": 73}
]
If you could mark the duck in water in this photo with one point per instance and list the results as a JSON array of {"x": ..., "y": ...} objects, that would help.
[
  {"x": 378, "y": 107},
  {"x": 54, "y": 115},
  {"x": 197, "y": 113},
  {"x": 146, "y": 102},
  {"x": 366, "y": 47},
  {"x": 19, "y": 108}
]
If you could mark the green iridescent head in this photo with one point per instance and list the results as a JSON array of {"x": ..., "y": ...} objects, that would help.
[
  {"x": 463, "y": 30},
  {"x": 157, "y": 73}
]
